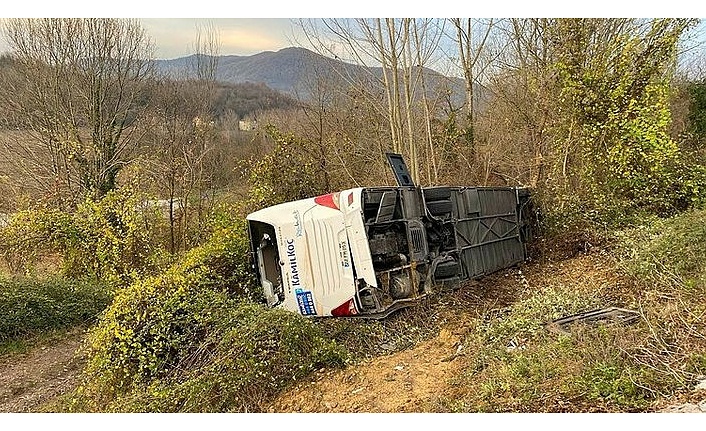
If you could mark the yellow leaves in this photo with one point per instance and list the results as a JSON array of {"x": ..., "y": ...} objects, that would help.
[{"x": 121, "y": 333}]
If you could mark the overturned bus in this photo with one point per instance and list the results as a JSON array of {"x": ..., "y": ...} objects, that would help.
[{"x": 367, "y": 252}]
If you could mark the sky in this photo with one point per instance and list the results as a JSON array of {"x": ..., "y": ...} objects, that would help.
[
  {"x": 174, "y": 37},
  {"x": 252, "y": 27}
]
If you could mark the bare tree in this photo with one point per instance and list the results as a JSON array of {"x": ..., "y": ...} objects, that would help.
[
  {"x": 78, "y": 90},
  {"x": 395, "y": 53},
  {"x": 471, "y": 53},
  {"x": 183, "y": 146},
  {"x": 201, "y": 164}
]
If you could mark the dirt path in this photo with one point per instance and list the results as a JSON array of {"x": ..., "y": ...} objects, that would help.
[{"x": 32, "y": 380}]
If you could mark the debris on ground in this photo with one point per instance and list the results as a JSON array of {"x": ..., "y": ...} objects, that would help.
[{"x": 602, "y": 316}]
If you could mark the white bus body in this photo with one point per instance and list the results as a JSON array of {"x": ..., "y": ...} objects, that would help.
[{"x": 366, "y": 252}]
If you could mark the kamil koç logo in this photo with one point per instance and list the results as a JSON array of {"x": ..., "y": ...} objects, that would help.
[
  {"x": 293, "y": 269},
  {"x": 306, "y": 302}
]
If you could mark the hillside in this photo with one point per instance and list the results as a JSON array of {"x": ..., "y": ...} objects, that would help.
[
  {"x": 294, "y": 71},
  {"x": 247, "y": 98},
  {"x": 427, "y": 365},
  {"x": 441, "y": 372},
  {"x": 133, "y": 280}
]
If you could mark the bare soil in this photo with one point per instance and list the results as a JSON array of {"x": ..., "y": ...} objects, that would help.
[
  {"x": 31, "y": 381},
  {"x": 408, "y": 381}
]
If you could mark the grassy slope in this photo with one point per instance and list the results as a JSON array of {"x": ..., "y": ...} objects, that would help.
[{"x": 658, "y": 270}]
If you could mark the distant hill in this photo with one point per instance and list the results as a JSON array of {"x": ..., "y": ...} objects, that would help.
[
  {"x": 247, "y": 98},
  {"x": 292, "y": 71}
]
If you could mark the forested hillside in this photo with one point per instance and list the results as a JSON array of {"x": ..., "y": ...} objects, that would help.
[
  {"x": 124, "y": 191},
  {"x": 298, "y": 71}
]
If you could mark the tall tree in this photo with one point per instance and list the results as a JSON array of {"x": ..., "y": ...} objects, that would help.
[
  {"x": 470, "y": 53},
  {"x": 615, "y": 76},
  {"x": 78, "y": 92},
  {"x": 396, "y": 53},
  {"x": 580, "y": 111}
]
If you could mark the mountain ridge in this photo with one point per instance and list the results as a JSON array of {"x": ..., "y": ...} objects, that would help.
[{"x": 294, "y": 71}]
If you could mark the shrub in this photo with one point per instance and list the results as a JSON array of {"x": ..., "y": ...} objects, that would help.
[
  {"x": 109, "y": 240},
  {"x": 292, "y": 170},
  {"x": 181, "y": 341},
  {"x": 30, "y": 306},
  {"x": 30, "y": 236},
  {"x": 667, "y": 253}
]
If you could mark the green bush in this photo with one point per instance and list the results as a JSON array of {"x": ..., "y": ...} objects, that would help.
[
  {"x": 223, "y": 262},
  {"x": 30, "y": 236},
  {"x": 292, "y": 170},
  {"x": 697, "y": 111},
  {"x": 181, "y": 341},
  {"x": 111, "y": 239},
  {"x": 613, "y": 154},
  {"x": 236, "y": 361},
  {"x": 29, "y": 306}
]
